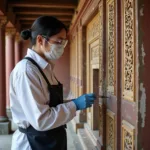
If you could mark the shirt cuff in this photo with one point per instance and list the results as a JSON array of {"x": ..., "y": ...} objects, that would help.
[{"x": 73, "y": 108}]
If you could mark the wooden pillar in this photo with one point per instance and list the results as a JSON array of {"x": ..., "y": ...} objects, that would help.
[
  {"x": 2, "y": 70},
  {"x": 4, "y": 122},
  {"x": 10, "y": 59},
  {"x": 17, "y": 48}
]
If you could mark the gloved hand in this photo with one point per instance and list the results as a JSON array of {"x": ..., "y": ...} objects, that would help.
[{"x": 84, "y": 101}]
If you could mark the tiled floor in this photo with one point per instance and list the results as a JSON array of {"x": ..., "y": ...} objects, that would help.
[{"x": 73, "y": 141}]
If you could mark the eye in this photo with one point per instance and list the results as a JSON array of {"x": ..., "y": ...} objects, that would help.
[{"x": 59, "y": 41}]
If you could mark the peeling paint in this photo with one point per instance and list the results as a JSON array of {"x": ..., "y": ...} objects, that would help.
[
  {"x": 143, "y": 104},
  {"x": 143, "y": 54},
  {"x": 142, "y": 11}
]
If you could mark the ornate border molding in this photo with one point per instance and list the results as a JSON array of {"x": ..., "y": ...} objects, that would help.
[
  {"x": 3, "y": 21},
  {"x": 110, "y": 133},
  {"x": 10, "y": 31},
  {"x": 127, "y": 136}
]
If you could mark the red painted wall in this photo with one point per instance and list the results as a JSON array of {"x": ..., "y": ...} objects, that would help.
[
  {"x": 145, "y": 30},
  {"x": 62, "y": 67}
]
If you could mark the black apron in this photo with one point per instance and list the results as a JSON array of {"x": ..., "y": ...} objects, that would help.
[{"x": 54, "y": 139}]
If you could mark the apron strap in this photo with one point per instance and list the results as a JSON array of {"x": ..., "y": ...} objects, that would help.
[{"x": 30, "y": 59}]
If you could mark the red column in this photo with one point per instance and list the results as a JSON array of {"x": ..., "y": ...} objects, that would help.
[
  {"x": 17, "y": 48},
  {"x": 3, "y": 116},
  {"x": 10, "y": 59}
]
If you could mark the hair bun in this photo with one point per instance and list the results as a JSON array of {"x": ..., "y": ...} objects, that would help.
[{"x": 26, "y": 34}]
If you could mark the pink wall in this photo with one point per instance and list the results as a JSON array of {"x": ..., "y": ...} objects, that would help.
[
  {"x": 62, "y": 70},
  {"x": 25, "y": 45},
  {"x": 62, "y": 67}
]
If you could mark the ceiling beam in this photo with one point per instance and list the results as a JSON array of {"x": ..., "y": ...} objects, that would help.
[
  {"x": 44, "y": 13},
  {"x": 42, "y": 5},
  {"x": 30, "y": 23},
  {"x": 23, "y": 27},
  {"x": 34, "y": 18}
]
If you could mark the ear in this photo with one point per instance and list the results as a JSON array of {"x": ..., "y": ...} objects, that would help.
[{"x": 39, "y": 40}]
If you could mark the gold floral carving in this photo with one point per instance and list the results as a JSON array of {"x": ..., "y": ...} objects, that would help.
[
  {"x": 100, "y": 120},
  {"x": 128, "y": 49},
  {"x": 100, "y": 44},
  {"x": 110, "y": 133},
  {"x": 111, "y": 45},
  {"x": 10, "y": 31},
  {"x": 93, "y": 28},
  {"x": 3, "y": 21},
  {"x": 94, "y": 47},
  {"x": 127, "y": 136},
  {"x": 17, "y": 37}
]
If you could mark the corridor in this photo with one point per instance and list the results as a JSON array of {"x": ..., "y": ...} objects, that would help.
[
  {"x": 73, "y": 140},
  {"x": 106, "y": 51}
]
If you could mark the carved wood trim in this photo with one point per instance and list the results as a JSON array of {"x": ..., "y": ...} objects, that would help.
[
  {"x": 100, "y": 44},
  {"x": 128, "y": 136},
  {"x": 3, "y": 21},
  {"x": 10, "y": 31},
  {"x": 110, "y": 130},
  {"x": 128, "y": 52},
  {"x": 111, "y": 46}
]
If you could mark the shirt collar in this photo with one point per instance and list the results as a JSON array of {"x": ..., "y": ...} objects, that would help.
[{"x": 37, "y": 58}]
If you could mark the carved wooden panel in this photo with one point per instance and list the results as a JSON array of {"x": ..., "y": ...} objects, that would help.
[
  {"x": 127, "y": 136},
  {"x": 3, "y": 21},
  {"x": 100, "y": 120},
  {"x": 111, "y": 47},
  {"x": 129, "y": 43},
  {"x": 110, "y": 133},
  {"x": 94, "y": 49},
  {"x": 100, "y": 44},
  {"x": 93, "y": 28},
  {"x": 92, "y": 34}
]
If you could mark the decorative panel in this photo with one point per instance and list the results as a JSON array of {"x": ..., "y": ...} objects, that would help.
[
  {"x": 93, "y": 28},
  {"x": 127, "y": 136},
  {"x": 100, "y": 44},
  {"x": 110, "y": 133},
  {"x": 111, "y": 48},
  {"x": 92, "y": 34},
  {"x": 94, "y": 49},
  {"x": 129, "y": 43},
  {"x": 100, "y": 120}
]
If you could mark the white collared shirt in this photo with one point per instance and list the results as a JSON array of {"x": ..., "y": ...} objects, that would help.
[{"x": 29, "y": 99}]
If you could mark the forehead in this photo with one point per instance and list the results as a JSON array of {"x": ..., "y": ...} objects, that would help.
[{"x": 61, "y": 35}]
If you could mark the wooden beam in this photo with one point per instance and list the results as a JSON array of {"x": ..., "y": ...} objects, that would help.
[
  {"x": 38, "y": 9},
  {"x": 44, "y": 13},
  {"x": 42, "y": 5},
  {"x": 27, "y": 22},
  {"x": 34, "y": 18},
  {"x": 28, "y": 26},
  {"x": 30, "y": 23}
]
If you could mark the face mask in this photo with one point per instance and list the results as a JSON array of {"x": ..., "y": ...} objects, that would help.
[{"x": 55, "y": 52}]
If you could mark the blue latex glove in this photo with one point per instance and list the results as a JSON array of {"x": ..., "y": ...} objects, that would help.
[{"x": 84, "y": 101}]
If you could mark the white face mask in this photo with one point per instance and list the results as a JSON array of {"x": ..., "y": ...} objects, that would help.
[{"x": 55, "y": 52}]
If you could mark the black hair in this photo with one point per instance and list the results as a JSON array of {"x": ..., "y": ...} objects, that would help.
[{"x": 44, "y": 25}]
